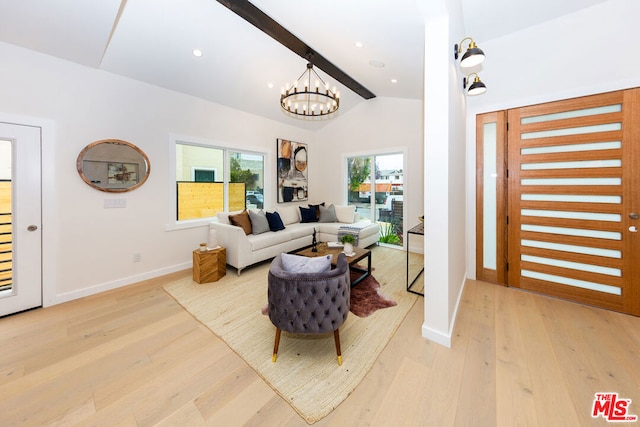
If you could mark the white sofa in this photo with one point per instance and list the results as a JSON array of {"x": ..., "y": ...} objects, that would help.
[{"x": 244, "y": 250}]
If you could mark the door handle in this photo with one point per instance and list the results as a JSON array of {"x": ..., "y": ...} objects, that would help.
[
  {"x": 32, "y": 227},
  {"x": 634, "y": 215},
  {"x": 633, "y": 229}
]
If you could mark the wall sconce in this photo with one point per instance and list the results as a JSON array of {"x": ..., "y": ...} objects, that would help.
[
  {"x": 472, "y": 57},
  {"x": 477, "y": 87}
]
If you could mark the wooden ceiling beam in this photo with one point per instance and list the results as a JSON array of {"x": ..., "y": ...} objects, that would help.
[{"x": 250, "y": 13}]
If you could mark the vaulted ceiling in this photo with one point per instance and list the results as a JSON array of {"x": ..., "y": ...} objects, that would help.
[{"x": 153, "y": 40}]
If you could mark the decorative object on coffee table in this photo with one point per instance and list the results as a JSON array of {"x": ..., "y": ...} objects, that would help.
[
  {"x": 314, "y": 242},
  {"x": 348, "y": 241}
]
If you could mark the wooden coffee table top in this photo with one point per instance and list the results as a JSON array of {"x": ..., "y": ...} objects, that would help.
[
  {"x": 359, "y": 255},
  {"x": 323, "y": 250}
]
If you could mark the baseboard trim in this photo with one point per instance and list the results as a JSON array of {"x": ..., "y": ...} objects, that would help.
[
  {"x": 107, "y": 286},
  {"x": 445, "y": 338},
  {"x": 436, "y": 336}
]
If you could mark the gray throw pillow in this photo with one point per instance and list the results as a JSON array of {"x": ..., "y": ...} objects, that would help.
[
  {"x": 328, "y": 214},
  {"x": 259, "y": 223},
  {"x": 303, "y": 264}
]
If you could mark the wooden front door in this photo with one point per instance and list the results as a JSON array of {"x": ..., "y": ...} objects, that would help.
[{"x": 573, "y": 190}]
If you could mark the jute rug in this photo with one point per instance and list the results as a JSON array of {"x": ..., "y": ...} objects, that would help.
[{"x": 306, "y": 374}]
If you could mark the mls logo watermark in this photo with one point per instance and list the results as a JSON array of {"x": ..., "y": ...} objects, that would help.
[{"x": 612, "y": 408}]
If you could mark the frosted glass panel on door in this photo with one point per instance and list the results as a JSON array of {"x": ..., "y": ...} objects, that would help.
[
  {"x": 572, "y": 282},
  {"x": 598, "y": 234},
  {"x": 571, "y": 181},
  {"x": 572, "y": 131},
  {"x": 570, "y": 148},
  {"x": 571, "y": 198},
  {"x": 616, "y": 272},
  {"x": 609, "y": 253},
  {"x": 489, "y": 214},
  {"x": 616, "y": 108},
  {"x": 589, "y": 216},
  {"x": 582, "y": 164}
]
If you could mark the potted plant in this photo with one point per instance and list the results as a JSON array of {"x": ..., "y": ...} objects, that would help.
[{"x": 348, "y": 241}]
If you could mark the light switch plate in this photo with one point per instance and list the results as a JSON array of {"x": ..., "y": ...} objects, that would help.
[{"x": 115, "y": 203}]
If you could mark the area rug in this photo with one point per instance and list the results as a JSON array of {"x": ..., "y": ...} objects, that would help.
[
  {"x": 306, "y": 374},
  {"x": 366, "y": 298}
]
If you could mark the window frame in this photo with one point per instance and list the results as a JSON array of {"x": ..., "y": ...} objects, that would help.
[
  {"x": 373, "y": 154},
  {"x": 172, "y": 222}
]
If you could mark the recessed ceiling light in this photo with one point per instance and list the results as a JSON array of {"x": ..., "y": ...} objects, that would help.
[
  {"x": 197, "y": 53},
  {"x": 394, "y": 81},
  {"x": 377, "y": 64},
  {"x": 270, "y": 85},
  {"x": 359, "y": 44}
]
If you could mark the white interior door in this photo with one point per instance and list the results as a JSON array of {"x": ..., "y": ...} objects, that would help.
[{"x": 20, "y": 218}]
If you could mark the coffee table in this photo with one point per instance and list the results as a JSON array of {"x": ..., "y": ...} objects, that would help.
[{"x": 359, "y": 255}]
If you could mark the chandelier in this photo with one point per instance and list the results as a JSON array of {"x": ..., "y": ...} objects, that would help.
[{"x": 302, "y": 99}]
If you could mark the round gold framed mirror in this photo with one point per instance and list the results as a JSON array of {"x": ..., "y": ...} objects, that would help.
[{"x": 113, "y": 165}]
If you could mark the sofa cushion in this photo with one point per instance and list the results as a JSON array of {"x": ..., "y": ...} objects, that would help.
[
  {"x": 299, "y": 230},
  {"x": 308, "y": 214},
  {"x": 303, "y": 264},
  {"x": 289, "y": 214},
  {"x": 345, "y": 213},
  {"x": 259, "y": 223},
  {"x": 268, "y": 240},
  {"x": 275, "y": 222},
  {"x": 241, "y": 220},
  {"x": 328, "y": 214}
]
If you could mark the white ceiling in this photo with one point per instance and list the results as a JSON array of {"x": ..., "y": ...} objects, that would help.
[{"x": 152, "y": 41}]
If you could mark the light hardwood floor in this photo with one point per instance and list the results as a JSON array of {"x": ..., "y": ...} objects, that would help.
[{"x": 134, "y": 357}]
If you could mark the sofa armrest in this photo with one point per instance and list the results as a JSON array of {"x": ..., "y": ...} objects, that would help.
[{"x": 235, "y": 241}]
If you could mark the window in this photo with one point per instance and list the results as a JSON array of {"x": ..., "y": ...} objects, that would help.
[
  {"x": 215, "y": 179},
  {"x": 377, "y": 192},
  {"x": 248, "y": 169},
  {"x": 204, "y": 175}
]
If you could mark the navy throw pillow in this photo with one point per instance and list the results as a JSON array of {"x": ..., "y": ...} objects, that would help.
[
  {"x": 317, "y": 208},
  {"x": 275, "y": 222},
  {"x": 308, "y": 214}
]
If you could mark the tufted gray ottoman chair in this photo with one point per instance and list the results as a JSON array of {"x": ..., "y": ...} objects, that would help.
[{"x": 309, "y": 303}]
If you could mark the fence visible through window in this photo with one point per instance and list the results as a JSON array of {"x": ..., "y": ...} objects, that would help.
[{"x": 6, "y": 237}]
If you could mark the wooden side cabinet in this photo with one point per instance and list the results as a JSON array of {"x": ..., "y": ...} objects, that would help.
[{"x": 209, "y": 266}]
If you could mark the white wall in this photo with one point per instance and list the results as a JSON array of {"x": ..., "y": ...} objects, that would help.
[
  {"x": 88, "y": 248},
  {"x": 583, "y": 53},
  {"x": 444, "y": 160},
  {"x": 380, "y": 125}
]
